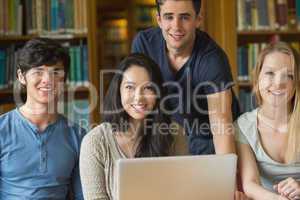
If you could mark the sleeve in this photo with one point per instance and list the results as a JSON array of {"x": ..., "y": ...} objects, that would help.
[
  {"x": 216, "y": 76},
  {"x": 239, "y": 135},
  {"x": 137, "y": 44},
  {"x": 92, "y": 168},
  {"x": 76, "y": 182}
]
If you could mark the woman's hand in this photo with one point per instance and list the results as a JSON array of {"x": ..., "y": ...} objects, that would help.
[{"x": 289, "y": 188}]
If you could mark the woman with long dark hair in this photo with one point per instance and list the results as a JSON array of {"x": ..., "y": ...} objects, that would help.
[{"x": 133, "y": 125}]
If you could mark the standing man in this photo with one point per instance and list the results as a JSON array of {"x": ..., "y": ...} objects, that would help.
[
  {"x": 197, "y": 76},
  {"x": 39, "y": 148}
]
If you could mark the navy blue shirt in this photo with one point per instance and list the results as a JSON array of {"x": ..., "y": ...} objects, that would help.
[
  {"x": 207, "y": 71},
  {"x": 38, "y": 165}
]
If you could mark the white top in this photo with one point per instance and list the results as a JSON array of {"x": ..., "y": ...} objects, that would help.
[
  {"x": 99, "y": 151},
  {"x": 271, "y": 171}
]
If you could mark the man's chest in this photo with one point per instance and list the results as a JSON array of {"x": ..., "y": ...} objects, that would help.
[{"x": 24, "y": 157}]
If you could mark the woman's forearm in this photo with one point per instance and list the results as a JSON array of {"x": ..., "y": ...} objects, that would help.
[{"x": 257, "y": 192}]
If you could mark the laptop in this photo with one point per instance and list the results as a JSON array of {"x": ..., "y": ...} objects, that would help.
[{"x": 205, "y": 177}]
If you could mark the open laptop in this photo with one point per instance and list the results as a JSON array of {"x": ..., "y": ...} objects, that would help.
[{"x": 208, "y": 177}]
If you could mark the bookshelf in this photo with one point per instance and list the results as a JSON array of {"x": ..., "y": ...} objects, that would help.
[
  {"x": 250, "y": 24},
  {"x": 142, "y": 15},
  {"x": 72, "y": 23},
  {"x": 117, "y": 24}
]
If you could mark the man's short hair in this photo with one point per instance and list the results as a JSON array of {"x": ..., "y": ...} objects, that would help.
[
  {"x": 42, "y": 51},
  {"x": 196, "y": 4}
]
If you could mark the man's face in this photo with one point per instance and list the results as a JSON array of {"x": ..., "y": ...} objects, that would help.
[
  {"x": 44, "y": 83},
  {"x": 178, "y": 22}
]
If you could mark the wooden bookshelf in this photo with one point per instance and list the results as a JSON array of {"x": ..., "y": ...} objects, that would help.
[
  {"x": 87, "y": 37},
  {"x": 244, "y": 84},
  {"x": 222, "y": 21},
  {"x": 245, "y": 37},
  {"x": 141, "y": 16}
]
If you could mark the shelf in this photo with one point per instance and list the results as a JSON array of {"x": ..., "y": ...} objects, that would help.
[
  {"x": 245, "y": 37},
  {"x": 16, "y": 37},
  {"x": 21, "y": 38},
  {"x": 262, "y": 32},
  {"x": 244, "y": 84}
]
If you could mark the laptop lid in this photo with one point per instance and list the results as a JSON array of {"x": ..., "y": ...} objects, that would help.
[{"x": 206, "y": 177}]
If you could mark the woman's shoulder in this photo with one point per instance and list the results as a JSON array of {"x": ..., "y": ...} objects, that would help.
[
  {"x": 99, "y": 135},
  {"x": 247, "y": 119},
  {"x": 246, "y": 127}
]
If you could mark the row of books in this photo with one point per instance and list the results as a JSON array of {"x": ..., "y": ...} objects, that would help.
[
  {"x": 116, "y": 49},
  {"x": 22, "y": 17},
  {"x": 116, "y": 30},
  {"x": 268, "y": 14},
  {"x": 78, "y": 74},
  {"x": 11, "y": 17},
  {"x": 146, "y": 16},
  {"x": 8, "y": 69},
  {"x": 247, "y": 58}
]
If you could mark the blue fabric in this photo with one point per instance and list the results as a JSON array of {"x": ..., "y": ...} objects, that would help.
[
  {"x": 38, "y": 165},
  {"x": 208, "y": 63}
]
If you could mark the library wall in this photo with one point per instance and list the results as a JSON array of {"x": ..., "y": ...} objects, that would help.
[{"x": 98, "y": 34}]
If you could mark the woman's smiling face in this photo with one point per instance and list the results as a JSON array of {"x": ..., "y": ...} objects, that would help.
[{"x": 138, "y": 96}]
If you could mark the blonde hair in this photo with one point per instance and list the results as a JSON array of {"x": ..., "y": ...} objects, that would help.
[{"x": 292, "y": 153}]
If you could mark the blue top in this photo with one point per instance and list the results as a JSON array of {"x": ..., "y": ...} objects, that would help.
[
  {"x": 38, "y": 165},
  {"x": 207, "y": 71}
]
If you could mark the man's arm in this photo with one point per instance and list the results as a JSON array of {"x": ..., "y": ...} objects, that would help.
[{"x": 220, "y": 117}]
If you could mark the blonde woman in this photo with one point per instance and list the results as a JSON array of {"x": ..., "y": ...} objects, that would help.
[{"x": 269, "y": 136}]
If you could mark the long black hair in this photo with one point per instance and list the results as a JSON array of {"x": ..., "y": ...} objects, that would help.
[{"x": 155, "y": 141}]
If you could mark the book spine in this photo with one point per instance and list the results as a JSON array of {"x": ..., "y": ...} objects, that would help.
[
  {"x": 62, "y": 16},
  {"x": 39, "y": 16},
  {"x": 5, "y": 17},
  {"x": 298, "y": 13},
  {"x": 272, "y": 14},
  {"x": 85, "y": 65},
  {"x": 292, "y": 19},
  {"x": 20, "y": 18},
  {"x": 78, "y": 66},
  {"x": 263, "y": 15},
  {"x": 248, "y": 14},
  {"x": 281, "y": 14},
  {"x": 241, "y": 14},
  {"x": 70, "y": 16},
  {"x": 1, "y": 17}
]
